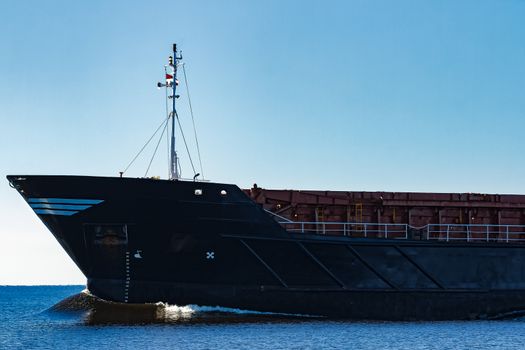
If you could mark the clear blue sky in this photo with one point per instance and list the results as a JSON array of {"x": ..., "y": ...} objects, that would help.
[{"x": 343, "y": 95}]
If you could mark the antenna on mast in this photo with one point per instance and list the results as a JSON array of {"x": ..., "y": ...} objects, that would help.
[{"x": 172, "y": 82}]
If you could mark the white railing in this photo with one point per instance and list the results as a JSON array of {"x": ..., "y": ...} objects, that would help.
[
  {"x": 476, "y": 233},
  {"x": 437, "y": 232},
  {"x": 367, "y": 230}
]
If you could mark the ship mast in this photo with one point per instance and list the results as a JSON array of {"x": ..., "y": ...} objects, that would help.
[
  {"x": 171, "y": 74},
  {"x": 172, "y": 82}
]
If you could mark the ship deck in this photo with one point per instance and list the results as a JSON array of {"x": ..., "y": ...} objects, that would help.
[{"x": 445, "y": 217}]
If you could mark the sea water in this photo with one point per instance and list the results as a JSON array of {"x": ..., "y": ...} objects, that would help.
[{"x": 64, "y": 317}]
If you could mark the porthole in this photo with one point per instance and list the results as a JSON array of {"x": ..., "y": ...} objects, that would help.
[
  {"x": 198, "y": 192},
  {"x": 223, "y": 192}
]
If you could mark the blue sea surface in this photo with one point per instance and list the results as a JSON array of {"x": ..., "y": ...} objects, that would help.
[{"x": 28, "y": 320}]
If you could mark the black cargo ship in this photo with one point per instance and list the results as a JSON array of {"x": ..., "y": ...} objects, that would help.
[{"x": 356, "y": 255}]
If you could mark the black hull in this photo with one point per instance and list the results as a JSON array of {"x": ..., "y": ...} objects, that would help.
[
  {"x": 340, "y": 304},
  {"x": 143, "y": 240}
]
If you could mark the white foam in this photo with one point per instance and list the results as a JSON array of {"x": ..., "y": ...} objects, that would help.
[
  {"x": 192, "y": 309},
  {"x": 178, "y": 309}
]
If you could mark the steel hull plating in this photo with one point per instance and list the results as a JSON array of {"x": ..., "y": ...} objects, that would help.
[
  {"x": 340, "y": 304},
  {"x": 142, "y": 240}
]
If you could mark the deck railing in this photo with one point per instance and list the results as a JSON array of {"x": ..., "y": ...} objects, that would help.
[
  {"x": 436, "y": 232},
  {"x": 476, "y": 233},
  {"x": 367, "y": 230}
]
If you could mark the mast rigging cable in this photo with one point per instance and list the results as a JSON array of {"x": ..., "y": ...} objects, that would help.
[
  {"x": 147, "y": 142},
  {"x": 156, "y": 148},
  {"x": 192, "y": 119},
  {"x": 185, "y": 143}
]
